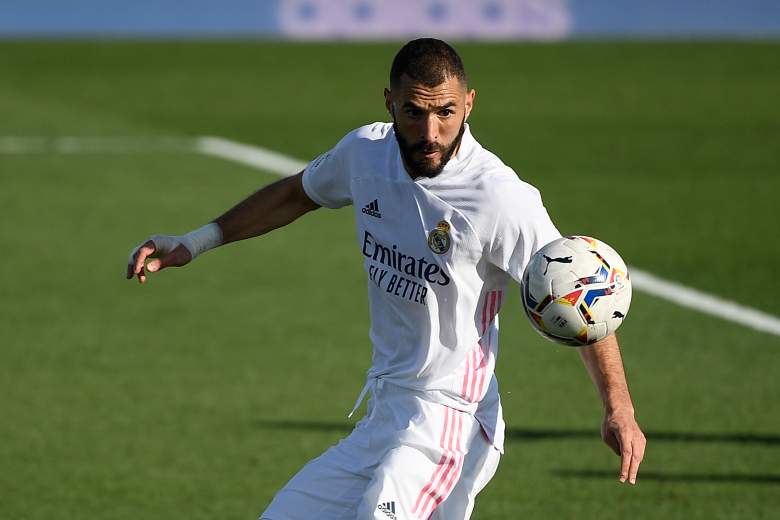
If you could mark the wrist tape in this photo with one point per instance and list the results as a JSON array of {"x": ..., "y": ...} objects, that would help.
[{"x": 202, "y": 239}]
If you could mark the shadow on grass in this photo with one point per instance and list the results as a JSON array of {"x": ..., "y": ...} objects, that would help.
[
  {"x": 673, "y": 477},
  {"x": 545, "y": 434},
  {"x": 652, "y": 435}
]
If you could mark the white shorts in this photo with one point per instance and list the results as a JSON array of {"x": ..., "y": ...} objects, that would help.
[{"x": 408, "y": 458}]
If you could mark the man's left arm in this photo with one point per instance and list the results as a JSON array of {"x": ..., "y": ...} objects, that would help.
[{"x": 619, "y": 430}]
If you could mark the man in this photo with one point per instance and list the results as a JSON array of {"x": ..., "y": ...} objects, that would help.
[{"x": 443, "y": 226}]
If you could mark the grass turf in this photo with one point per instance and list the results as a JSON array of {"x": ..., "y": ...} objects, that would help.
[{"x": 202, "y": 392}]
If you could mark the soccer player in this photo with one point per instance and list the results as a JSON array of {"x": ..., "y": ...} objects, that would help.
[{"x": 444, "y": 227}]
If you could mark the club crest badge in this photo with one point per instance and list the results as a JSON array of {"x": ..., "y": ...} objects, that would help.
[{"x": 439, "y": 239}]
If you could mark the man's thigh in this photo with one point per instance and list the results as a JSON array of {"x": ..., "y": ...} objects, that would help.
[
  {"x": 479, "y": 468},
  {"x": 437, "y": 477},
  {"x": 409, "y": 458},
  {"x": 329, "y": 487}
]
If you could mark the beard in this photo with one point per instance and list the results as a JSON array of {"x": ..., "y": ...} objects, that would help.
[{"x": 425, "y": 167}]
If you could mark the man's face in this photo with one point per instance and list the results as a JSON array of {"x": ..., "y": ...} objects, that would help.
[{"x": 428, "y": 122}]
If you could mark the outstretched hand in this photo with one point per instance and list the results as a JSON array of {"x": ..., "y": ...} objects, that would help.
[
  {"x": 166, "y": 251},
  {"x": 622, "y": 433}
]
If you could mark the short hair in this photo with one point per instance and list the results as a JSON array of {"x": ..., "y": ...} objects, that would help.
[{"x": 428, "y": 61}]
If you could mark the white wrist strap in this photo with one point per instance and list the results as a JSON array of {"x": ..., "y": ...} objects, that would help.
[{"x": 202, "y": 239}]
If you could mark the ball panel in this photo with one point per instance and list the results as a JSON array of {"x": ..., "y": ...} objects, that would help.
[{"x": 562, "y": 319}]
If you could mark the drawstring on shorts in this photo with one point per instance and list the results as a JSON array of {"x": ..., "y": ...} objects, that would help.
[{"x": 374, "y": 384}]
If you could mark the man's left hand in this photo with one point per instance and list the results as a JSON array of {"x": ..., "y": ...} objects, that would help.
[{"x": 622, "y": 433}]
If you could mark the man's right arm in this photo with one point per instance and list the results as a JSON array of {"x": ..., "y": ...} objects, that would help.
[{"x": 272, "y": 207}]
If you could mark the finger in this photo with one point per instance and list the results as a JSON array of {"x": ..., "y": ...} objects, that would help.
[
  {"x": 176, "y": 258},
  {"x": 612, "y": 442},
  {"x": 138, "y": 269},
  {"x": 147, "y": 249},
  {"x": 625, "y": 460},
  {"x": 131, "y": 262},
  {"x": 637, "y": 454}
]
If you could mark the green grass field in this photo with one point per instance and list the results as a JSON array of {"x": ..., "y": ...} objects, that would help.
[{"x": 199, "y": 394}]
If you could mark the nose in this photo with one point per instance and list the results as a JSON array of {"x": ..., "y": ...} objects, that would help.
[{"x": 430, "y": 129}]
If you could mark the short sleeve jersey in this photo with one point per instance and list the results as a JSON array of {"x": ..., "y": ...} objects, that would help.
[{"x": 439, "y": 254}]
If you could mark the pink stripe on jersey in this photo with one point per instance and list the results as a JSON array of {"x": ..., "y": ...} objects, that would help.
[
  {"x": 482, "y": 354},
  {"x": 486, "y": 352},
  {"x": 478, "y": 360},
  {"x": 479, "y": 373},
  {"x": 484, "y": 313},
  {"x": 470, "y": 368},
  {"x": 472, "y": 359},
  {"x": 476, "y": 354},
  {"x": 495, "y": 307}
]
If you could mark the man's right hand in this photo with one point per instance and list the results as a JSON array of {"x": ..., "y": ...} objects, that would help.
[
  {"x": 166, "y": 251},
  {"x": 270, "y": 208}
]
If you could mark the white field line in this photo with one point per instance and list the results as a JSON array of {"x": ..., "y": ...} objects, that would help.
[
  {"x": 283, "y": 165},
  {"x": 250, "y": 155},
  {"x": 95, "y": 145},
  {"x": 703, "y": 302}
]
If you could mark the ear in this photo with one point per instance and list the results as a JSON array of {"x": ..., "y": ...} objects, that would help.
[
  {"x": 389, "y": 101},
  {"x": 470, "y": 95}
]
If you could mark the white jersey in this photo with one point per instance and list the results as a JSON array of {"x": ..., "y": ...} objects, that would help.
[{"x": 439, "y": 254}]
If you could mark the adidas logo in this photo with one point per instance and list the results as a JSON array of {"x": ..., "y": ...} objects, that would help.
[
  {"x": 372, "y": 208},
  {"x": 388, "y": 508}
]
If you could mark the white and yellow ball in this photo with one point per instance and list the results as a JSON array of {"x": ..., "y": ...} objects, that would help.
[{"x": 576, "y": 290}]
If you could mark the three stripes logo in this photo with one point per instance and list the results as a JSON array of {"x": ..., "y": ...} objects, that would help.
[
  {"x": 372, "y": 209},
  {"x": 388, "y": 508}
]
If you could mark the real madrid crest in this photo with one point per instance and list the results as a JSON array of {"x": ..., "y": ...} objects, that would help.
[{"x": 439, "y": 239}]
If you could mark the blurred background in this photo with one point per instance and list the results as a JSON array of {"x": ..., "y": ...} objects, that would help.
[
  {"x": 383, "y": 20},
  {"x": 654, "y": 126}
]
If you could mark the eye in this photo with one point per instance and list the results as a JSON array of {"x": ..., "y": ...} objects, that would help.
[
  {"x": 446, "y": 112},
  {"x": 413, "y": 112}
]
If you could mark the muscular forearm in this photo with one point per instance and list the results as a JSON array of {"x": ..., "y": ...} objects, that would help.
[
  {"x": 619, "y": 428},
  {"x": 272, "y": 207},
  {"x": 605, "y": 366}
]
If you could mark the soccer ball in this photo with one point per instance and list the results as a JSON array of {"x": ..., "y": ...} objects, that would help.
[{"x": 576, "y": 290}]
